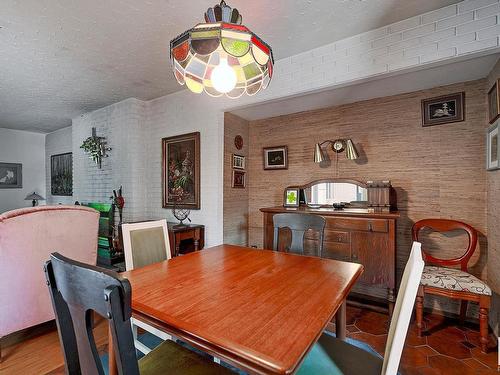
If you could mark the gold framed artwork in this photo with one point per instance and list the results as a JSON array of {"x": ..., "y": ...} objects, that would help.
[
  {"x": 494, "y": 102},
  {"x": 181, "y": 171},
  {"x": 276, "y": 157}
]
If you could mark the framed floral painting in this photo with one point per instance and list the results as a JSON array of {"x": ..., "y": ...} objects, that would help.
[{"x": 181, "y": 171}]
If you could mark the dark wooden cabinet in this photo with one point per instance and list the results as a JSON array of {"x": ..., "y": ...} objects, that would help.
[{"x": 362, "y": 236}]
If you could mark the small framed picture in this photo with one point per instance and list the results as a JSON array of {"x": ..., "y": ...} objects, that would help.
[
  {"x": 11, "y": 176},
  {"x": 238, "y": 161},
  {"x": 494, "y": 102},
  {"x": 276, "y": 157},
  {"x": 291, "y": 197},
  {"x": 238, "y": 180},
  {"x": 443, "y": 109},
  {"x": 492, "y": 148}
]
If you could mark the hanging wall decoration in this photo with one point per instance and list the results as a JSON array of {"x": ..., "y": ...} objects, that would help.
[
  {"x": 221, "y": 56},
  {"x": 96, "y": 148}
]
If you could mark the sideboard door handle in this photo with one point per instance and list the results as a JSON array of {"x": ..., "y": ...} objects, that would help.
[{"x": 370, "y": 227}]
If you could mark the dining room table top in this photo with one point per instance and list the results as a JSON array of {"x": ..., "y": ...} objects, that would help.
[{"x": 263, "y": 307}]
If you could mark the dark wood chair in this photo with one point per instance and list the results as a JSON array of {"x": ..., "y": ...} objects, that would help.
[
  {"x": 454, "y": 283},
  {"x": 77, "y": 291},
  {"x": 299, "y": 224}
]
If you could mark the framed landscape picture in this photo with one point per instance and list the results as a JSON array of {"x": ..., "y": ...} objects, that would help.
[
  {"x": 238, "y": 180},
  {"x": 494, "y": 102},
  {"x": 61, "y": 174},
  {"x": 492, "y": 148},
  {"x": 181, "y": 171},
  {"x": 11, "y": 176},
  {"x": 443, "y": 109},
  {"x": 276, "y": 157}
]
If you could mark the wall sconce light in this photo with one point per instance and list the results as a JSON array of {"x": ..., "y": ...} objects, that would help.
[{"x": 338, "y": 146}]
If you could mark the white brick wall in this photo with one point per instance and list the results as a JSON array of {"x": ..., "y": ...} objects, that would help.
[
  {"x": 134, "y": 128},
  {"x": 58, "y": 142}
]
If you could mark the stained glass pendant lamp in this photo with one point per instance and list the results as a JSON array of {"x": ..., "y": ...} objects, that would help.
[{"x": 221, "y": 56}]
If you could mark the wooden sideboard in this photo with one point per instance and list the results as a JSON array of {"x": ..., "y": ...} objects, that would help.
[{"x": 355, "y": 235}]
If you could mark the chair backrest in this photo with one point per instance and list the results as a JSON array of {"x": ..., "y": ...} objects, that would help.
[
  {"x": 77, "y": 291},
  {"x": 446, "y": 225},
  {"x": 145, "y": 243},
  {"x": 403, "y": 310},
  {"x": 299, "y": 224},
  {"x": 27, "y": 238}
]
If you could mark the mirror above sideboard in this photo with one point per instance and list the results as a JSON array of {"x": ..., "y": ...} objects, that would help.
[{"x": 329, "y": 192}]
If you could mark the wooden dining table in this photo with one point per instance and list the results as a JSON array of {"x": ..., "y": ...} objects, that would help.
[{"x": 259, "y": 310}]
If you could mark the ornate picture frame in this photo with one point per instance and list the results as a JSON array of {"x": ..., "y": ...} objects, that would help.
[
  {"x": 238, "y": 179},
  {"x": 238, "y": 162},
  {"x": 181, "y": 171}
]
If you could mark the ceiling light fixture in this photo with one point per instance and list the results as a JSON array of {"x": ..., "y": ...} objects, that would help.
[{"x": 221, "y": 56}]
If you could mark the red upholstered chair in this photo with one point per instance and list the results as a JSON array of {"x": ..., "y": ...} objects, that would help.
[{"x": 454, "y": 283}]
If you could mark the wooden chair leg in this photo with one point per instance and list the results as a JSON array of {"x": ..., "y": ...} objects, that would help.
[
  {"x": 420, "y": 309},
  {"x": 484, "y": 305},
  {"x": 463, "y": 311}
]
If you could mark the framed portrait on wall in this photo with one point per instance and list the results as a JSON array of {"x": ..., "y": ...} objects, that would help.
[
  {"x": 181, "y": 171},
  {"x": 61, "y": 174},
  {"x": 11, "y": 176},
  {"x": 494, "y": 102},
  {"x": 492, "y": 148}
]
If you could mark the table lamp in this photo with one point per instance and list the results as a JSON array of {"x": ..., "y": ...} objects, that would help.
[{"x": 34, "y": 198}]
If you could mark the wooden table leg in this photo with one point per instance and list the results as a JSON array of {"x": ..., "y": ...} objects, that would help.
[
  {"x": 111, "y": 355},
  {"x": 340, "y": 321}
]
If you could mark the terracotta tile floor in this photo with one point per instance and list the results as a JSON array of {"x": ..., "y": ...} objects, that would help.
[{"x": 447, "y": 348}]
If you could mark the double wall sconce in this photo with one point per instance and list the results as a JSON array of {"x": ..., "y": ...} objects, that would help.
[{"x": 338, "y": 146}]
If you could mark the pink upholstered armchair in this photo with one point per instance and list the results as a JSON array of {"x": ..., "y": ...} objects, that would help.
[{"x": 27, "y": 237}]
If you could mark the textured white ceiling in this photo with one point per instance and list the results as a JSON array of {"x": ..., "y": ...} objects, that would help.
[{"x": 60, "y": 58}]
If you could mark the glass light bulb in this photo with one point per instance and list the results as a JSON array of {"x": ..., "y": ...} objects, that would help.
[{"x": 224, "y": 77}]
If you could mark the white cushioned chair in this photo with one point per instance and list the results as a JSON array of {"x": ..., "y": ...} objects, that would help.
[
  {"x": 143, "y": 244},
  {"x": 337, "y": 357}
]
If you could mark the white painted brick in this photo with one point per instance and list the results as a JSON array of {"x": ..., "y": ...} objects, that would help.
[
  {"x": 454, "y": 21},
  {"x": 468, "y": 5},
  {"x": 347, "y": 42},
  {"x": 489, "y": 33},
  {"x": 419, "y": 31},
  {"x": 476, "y": 25},
  {"x": 477, "y": 46},
  {"x": 487, "y": 11},
  {"x": 422, "y": 50},
  {"x": 374, "y": 34},
  {"x": 359, "y": 48},
  {"x": 439, "y": 14},
  {"x": 456, "y": 41},
  {"x": 388, "y": 40},
  {"x": 405, "y": 24},
  {"x": 409, "y": 43},
  {"x": 438, "y": 35},
  {"x": 439, "y": 55},
  {"x": 403, "y": 63},
  {"x": 389, "y": 58}
]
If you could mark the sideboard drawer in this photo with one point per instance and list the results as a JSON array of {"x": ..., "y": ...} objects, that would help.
[
  {"x": 369, "y": 225},
  {"x": 337, "y": 236},
  {"x": 337, "y": 251}
]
